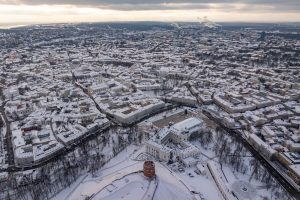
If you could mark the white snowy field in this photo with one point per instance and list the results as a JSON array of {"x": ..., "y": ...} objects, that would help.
[
  {"x": 132, "y": 186},
  {"x": 118, "y": 180},
  {"x": 204, "y": 184}
]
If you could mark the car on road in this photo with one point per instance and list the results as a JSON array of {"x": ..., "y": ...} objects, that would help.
[{"x": 191, "y": 175}]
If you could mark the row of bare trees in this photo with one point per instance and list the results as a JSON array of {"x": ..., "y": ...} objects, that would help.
[
  {"x": 230, "y": 151},
  {"x": 61, "y": 173}
]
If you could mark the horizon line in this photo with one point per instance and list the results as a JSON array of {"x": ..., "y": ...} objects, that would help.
[{"x": 26, "y": 24}]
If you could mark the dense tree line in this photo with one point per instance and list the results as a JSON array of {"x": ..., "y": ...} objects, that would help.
[{"x": 61, "y": 173}]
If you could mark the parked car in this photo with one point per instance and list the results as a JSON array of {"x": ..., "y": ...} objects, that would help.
[{"x": 181, "y": 170}]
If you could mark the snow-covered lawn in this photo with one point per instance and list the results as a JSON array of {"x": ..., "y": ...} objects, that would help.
[
  {"x": 204, "y": 184},
  {"x": 121, "y": 178},
  {"x": 132, "y": 186}
]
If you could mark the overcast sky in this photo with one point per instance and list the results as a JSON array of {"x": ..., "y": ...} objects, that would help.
[{"x": 48, "y": 11}]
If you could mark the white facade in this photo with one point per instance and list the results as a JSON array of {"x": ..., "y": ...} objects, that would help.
[
  {"x": 158, "y": 151},
  {"x": 178, "y": 134}
]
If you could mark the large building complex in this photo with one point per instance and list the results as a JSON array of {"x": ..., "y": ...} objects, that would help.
[{"x": 173, "y": 140}]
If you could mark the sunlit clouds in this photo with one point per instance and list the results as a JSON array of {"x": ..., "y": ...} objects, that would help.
[{"x": 19, "y": 11}]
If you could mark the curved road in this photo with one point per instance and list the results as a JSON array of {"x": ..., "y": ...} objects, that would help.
[{"x": 8, "y": 142}]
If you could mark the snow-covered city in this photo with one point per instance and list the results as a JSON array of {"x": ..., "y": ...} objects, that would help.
[{"x": 150, "y": 111}]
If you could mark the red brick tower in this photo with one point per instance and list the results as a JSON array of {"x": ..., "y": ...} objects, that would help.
[{"x": 149, "y": 169}]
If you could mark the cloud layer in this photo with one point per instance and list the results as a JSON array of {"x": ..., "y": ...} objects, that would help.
[
  {"x": 225, "y": 5},
  {"x": 54, "y": 11}
]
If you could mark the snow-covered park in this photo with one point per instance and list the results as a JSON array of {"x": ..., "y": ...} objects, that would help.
[{"x": 122, "y": 178}]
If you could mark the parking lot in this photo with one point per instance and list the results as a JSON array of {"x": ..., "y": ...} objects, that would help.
[{"x": 178, "y": 117}]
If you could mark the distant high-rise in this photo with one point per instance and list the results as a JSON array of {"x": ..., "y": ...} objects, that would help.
[{"x": 263, "y": 36}]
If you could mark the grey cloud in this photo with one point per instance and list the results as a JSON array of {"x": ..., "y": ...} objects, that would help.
[
  {"x": 226, "y": 5},
  {"x": 173, "y": 6}
]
